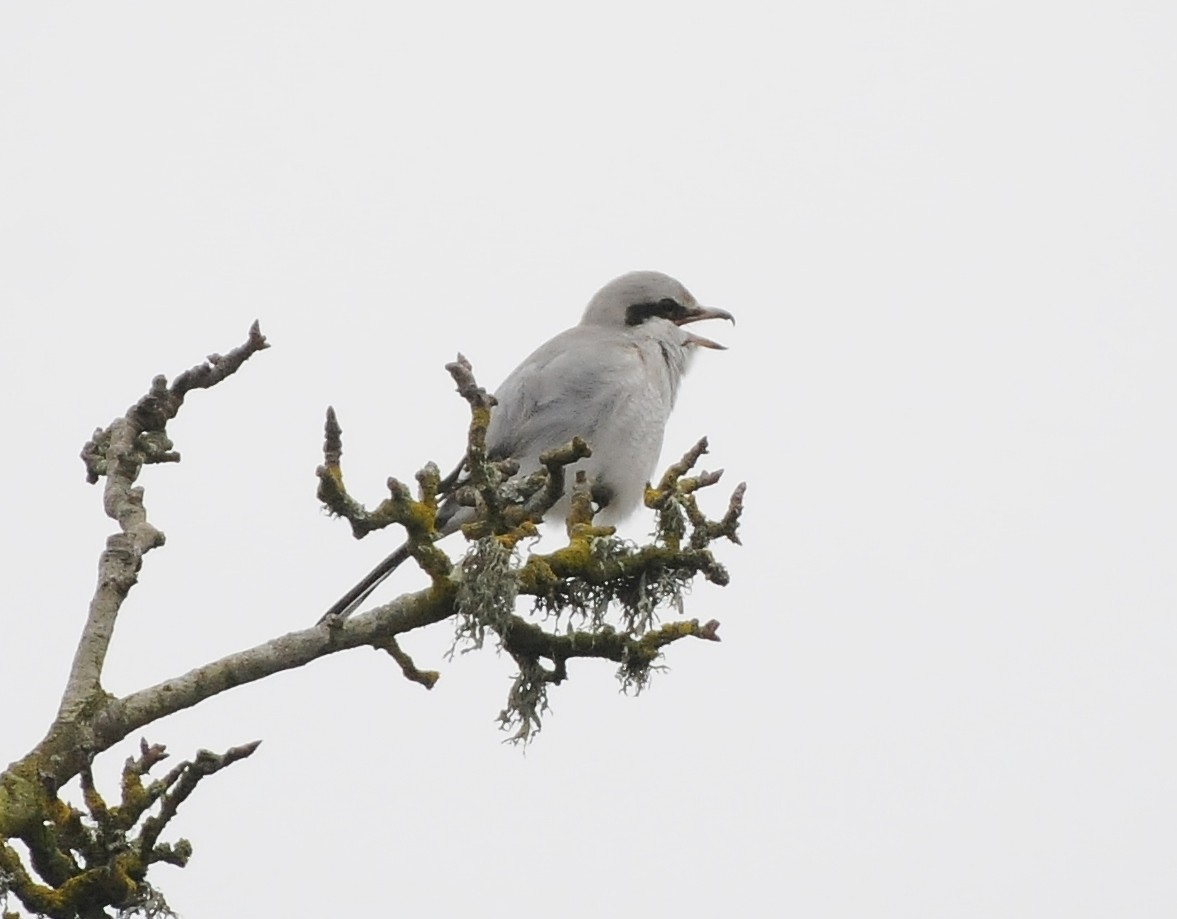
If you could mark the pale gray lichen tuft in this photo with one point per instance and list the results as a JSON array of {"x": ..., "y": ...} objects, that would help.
[
  {"x": 672, "y": 524},
  {"x": 634, "y": 675},
  {"x": 149, "y": 904},
  {"x": 486, "y": 594},
  {"x": 638, "y": 598},
  {"x": 581, "y": 599},
  {"x": 526, "y": 702},
  {"x": 642, "y": 597}
]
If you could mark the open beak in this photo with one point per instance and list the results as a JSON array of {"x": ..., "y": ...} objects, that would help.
[{"x": 695, "y": 314}]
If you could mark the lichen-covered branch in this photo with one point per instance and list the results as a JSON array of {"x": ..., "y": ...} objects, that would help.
[
  {"x": 582, "y": 581},
  {"x": 99, "y": 857},
  {"x": 593, "y": 596},
  {"x": 507, "y": 507}
]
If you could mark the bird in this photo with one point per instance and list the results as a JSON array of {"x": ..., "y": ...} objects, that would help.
[{"x": 611, "y": 380}]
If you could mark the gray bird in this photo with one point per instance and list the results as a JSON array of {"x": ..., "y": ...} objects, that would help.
[{"x": 611, "y": 380}]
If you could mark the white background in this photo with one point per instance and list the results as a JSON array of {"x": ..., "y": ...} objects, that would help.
[{"x": 947, "y": 231}]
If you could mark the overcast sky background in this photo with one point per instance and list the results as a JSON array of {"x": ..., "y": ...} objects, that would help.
[{"x": 948, "y": 233}]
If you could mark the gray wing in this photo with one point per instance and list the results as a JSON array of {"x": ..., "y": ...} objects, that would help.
[{"x": 566, "y": 388}]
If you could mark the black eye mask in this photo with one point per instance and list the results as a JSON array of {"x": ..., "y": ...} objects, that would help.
[{"x": 667, "y": 308}]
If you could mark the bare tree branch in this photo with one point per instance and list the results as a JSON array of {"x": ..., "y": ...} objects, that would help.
[
  {"x": 187, "y": 776},
  {"x": 119, "y": 452},
  {"x": 286, "y": 652}
]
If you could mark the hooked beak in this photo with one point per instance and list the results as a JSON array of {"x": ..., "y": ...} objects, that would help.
[{"x": 695, "y": 314}]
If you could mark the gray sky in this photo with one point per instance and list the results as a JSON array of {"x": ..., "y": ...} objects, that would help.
[{"x": 947, "y": 231}]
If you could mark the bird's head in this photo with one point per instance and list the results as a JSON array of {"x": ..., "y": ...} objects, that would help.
[{"x": 640, "y": 297}]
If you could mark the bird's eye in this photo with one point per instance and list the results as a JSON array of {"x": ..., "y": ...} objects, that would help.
[{"x": 667, "y": 308}]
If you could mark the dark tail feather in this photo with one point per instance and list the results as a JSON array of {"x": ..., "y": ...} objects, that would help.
[{"x": 346, "y": 605}]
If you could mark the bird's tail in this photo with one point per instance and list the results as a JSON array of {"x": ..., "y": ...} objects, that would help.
[{"x": 346, "y": 605}]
